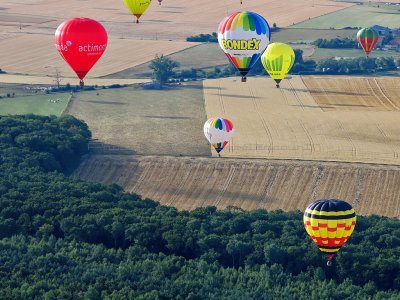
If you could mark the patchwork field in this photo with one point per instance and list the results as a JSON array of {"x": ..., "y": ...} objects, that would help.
[
  {"x": 356, "y": 16},
  {"x": 175, "y": 19},
  {"x": 45, "y": 104},
  {"x": 356, "y": 122},
  {"x": 134, "y": 120},
  {"x": 17, "y": 55},
  {"x": 187, "y": 183}
]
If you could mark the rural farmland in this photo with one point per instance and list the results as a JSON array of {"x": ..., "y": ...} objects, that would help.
[
  {"x": 189, "y": 182},
  {"x": 313, "y": 118}
]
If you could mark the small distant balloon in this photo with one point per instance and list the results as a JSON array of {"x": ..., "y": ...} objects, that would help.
[
  {"x": 218, "y": 132},
  {"x": 329, "y": 222},
  {"x": 137, "y": 7},
  {"x": 367, "y": 38},
  {"x": 243, "y": 36},
  {"x": 278, "y": 59},
  {"x": 81, "y": 42}
]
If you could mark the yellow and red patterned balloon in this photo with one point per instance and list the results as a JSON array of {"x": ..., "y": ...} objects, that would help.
[
  {"x": 329, "y": 222},
  {"x": 367, "y": 38}
]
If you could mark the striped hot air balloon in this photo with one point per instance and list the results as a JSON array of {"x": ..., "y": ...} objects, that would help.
[
  {"x": 329, "y": 222},
  {"x": 243, "y": 36},
  {"x": 218, "y": 132},
  {"x": 278, "y": 59},
  {"x": 367, "y": 38}
]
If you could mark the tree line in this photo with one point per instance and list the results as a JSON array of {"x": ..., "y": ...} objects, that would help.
[{"x": 61, "y": 237}]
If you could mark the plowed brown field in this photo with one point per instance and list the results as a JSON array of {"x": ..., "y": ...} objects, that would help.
[{"x": 187, "y": 183}]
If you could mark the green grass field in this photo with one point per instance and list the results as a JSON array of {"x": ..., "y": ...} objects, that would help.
[
  {"x": 148, "y": 122},
  {"x": 356, "y": 16},
  {"x": 43, "y": 104},
  {"x": 322, "y": 53}
]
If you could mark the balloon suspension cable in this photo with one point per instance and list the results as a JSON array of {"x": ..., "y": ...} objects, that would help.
[
  {"x": 81, "y": 83},
  {"x": 329, "y": 262},
  {"x": 244, "y": 79}
]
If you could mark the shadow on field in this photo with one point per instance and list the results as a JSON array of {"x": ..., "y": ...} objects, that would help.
[
  {"x": 168, "y": 117},
  {"x": 106, "y": 102},
  {"x": 96, "y": 147},
  {"x": 237, "y": 96},
  {"x": 332, "y": 105},
  {"x": 325, "y": 92}
]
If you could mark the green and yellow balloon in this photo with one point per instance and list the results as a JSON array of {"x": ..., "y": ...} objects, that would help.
[{"x": 278, "y": 59}]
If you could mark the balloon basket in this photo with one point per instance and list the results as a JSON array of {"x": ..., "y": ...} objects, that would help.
[
  {"x": 277, "y": 85},
  {"x": 244, "y": 79},
  {"x": 81, "y": 83},
  {"x": 329, "y": 263}
]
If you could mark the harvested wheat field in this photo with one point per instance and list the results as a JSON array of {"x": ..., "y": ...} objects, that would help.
[
  {"x": 175, "y": 19},
  {"x": 187, "y": 183},
  {"x": 36, "y": 54},
  {"x": 288, "y": 123}
]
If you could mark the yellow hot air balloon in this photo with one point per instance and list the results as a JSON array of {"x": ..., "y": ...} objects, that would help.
[
  {"x": 137, "y": 7},
  {"x": 329, "y": 222},
  {"x": 278, "y": 59}
]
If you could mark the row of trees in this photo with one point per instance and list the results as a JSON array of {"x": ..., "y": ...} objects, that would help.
[
  {"x": 163, "y": 67},
  {"x": 356, "y": 65},
  {"x": 61, "y": 237},
  {"x": 336, "y": 43}
]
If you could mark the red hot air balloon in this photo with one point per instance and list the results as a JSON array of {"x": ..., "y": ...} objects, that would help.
[{"x": 81, "y": 42}]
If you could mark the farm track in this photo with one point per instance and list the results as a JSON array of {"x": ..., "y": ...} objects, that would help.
[{"x": 187, "y": 182}]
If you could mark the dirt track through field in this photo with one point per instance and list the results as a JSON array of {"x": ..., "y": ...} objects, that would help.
[
  {"x": 187, "y": 183},
  {"x": 342, "y": 119}
]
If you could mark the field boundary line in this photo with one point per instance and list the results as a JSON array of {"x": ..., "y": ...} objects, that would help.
[{"x": 69, "y": 104}]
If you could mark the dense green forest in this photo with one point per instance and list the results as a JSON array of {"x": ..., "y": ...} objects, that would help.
[{"x": 63, "y": 238}]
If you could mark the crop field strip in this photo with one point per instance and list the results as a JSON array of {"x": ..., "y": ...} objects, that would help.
[
  {"x": 175, "y": 20},
  {"x": 342, "y": 119},
  {"x": 187, "y": 182},
  {"x": 18, "y": 57}
]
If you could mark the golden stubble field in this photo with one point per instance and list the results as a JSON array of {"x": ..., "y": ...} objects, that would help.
[
  {"x": 174, "y": 19},
  {"x": 350, "y": 119},
  {"x": 187, "y": 183},
  {"x": 27, "y": 29}
]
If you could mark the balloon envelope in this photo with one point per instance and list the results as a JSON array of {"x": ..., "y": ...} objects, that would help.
[
  {"x": 278, "y": 59},
  {"x": 329, "y": 222},
  {"x": 367, "y": 38},
  {"x": 137, "y": 7},
  {"x": 243, "y": 36},
  {"x": 218, "y": 132},
  {"x": 81, "y": 42}
]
